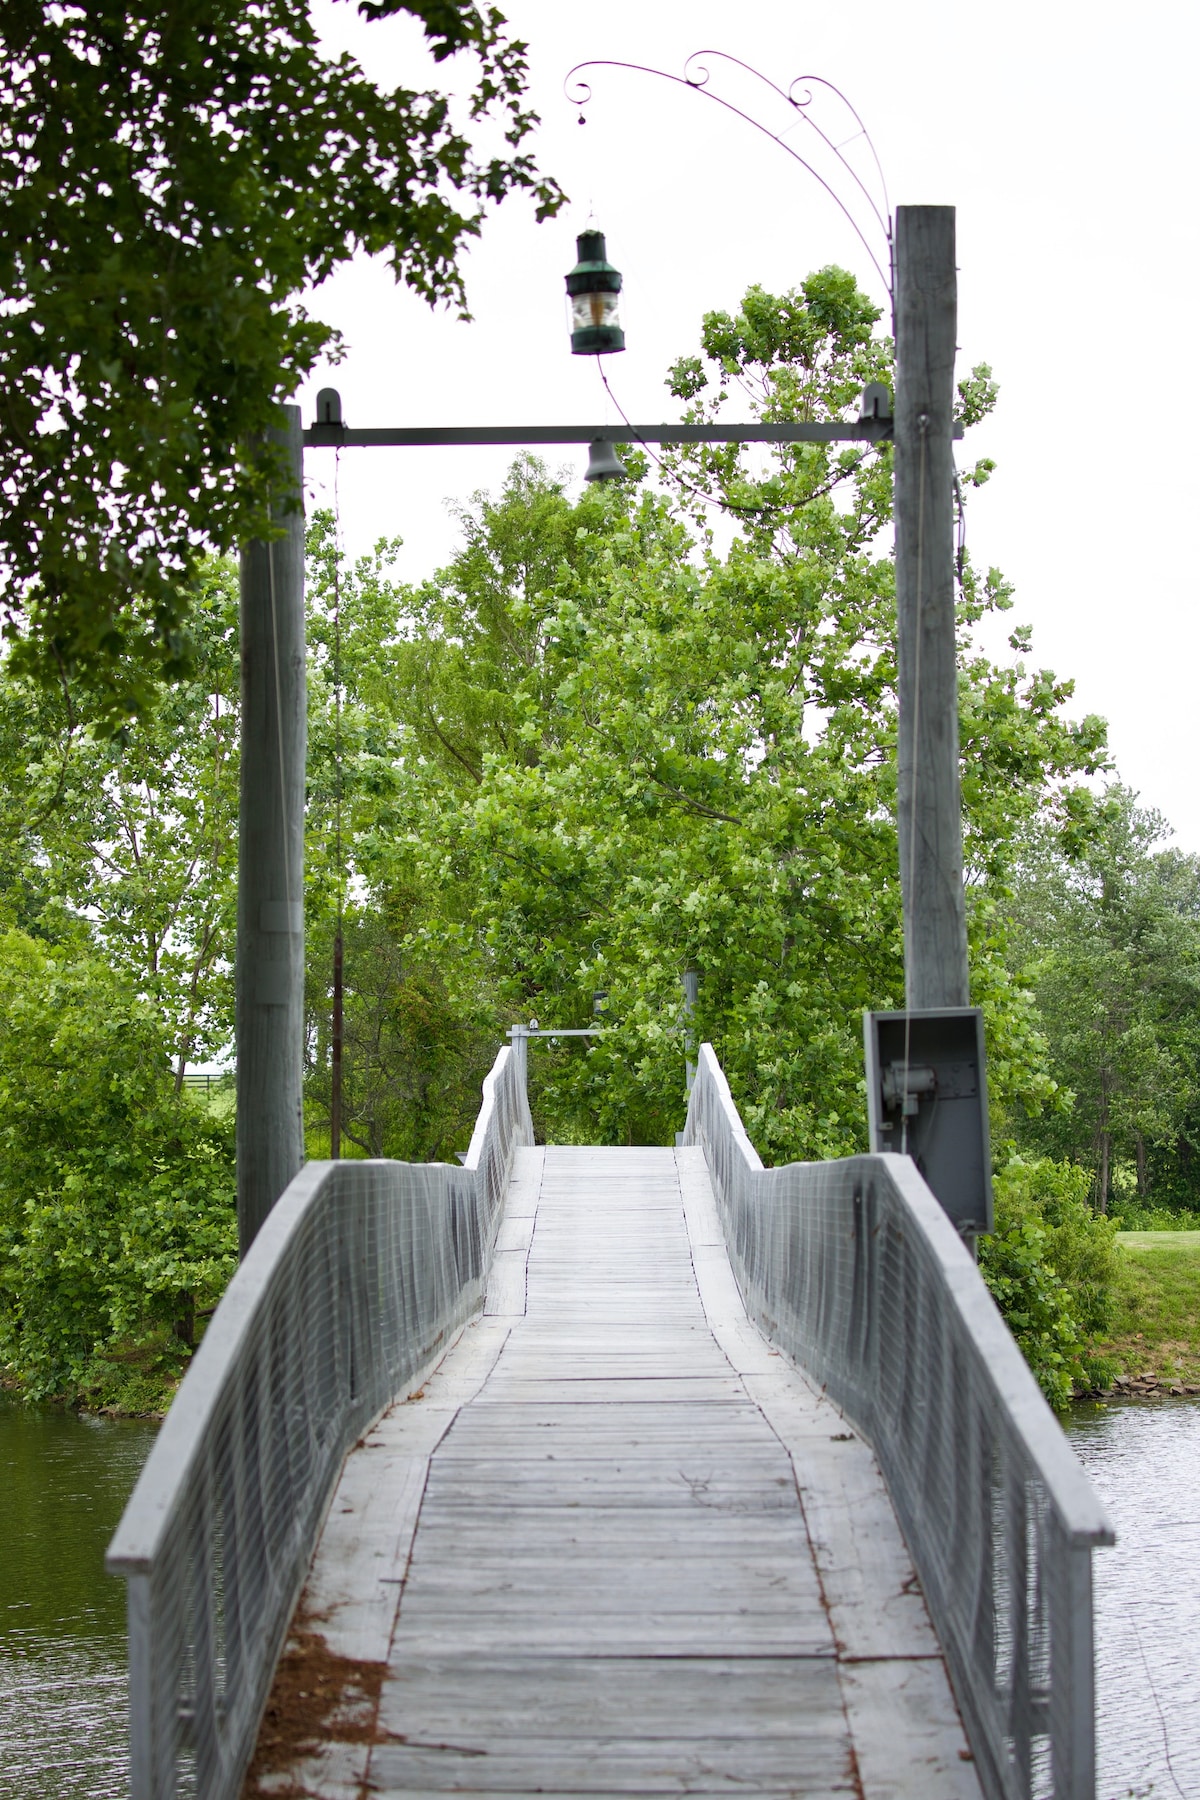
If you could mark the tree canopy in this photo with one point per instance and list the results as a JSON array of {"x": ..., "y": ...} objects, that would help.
[
  {"x": 1106, "y": 926},
  {"x": 172, "y": 177},
  {"x": 117, "y": 1224},
  {"x": 129, "y": 849}
]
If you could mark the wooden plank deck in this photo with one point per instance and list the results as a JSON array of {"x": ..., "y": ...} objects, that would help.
[{"x": 615, "y": 1544}]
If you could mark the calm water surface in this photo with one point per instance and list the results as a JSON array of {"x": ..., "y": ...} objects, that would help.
[
  {"x": 1144, "y": 1458},
  {"x": 63, "y": 1484}
]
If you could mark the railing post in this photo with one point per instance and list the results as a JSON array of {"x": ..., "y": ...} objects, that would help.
[
  {"x": 143, "y": 1752},
  {"x": 520, "y": 1043},
  {"x": 691, "y": 993},
  {"x": 1080, "y": 1775}
]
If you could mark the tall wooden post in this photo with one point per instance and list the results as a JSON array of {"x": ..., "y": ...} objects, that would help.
[
  {"x": 335, "y": 1059},
  {"x": 929, "y": 801},
  {"x": 270, "y": 922}
]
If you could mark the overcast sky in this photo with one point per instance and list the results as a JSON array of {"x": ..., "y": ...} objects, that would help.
[{"x": 1066, "y": 137}]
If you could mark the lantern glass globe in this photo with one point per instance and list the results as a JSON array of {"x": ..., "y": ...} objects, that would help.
[
  {"x": 595, "y": 311},
  {"x": 593, "y": 286}
]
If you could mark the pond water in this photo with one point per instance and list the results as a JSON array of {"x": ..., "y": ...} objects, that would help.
[
  {"x": 1144, "y": 1458},
  {"x": 63, "y": 1696},
  {"x": 65, "y": 1480}
]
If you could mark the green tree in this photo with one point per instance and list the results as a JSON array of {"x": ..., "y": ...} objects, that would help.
[
  {"x": 1109, "y": 932},
  {"x": 419, "y": 1016},
  {"x": 117, "y": 1221},
  {"x": 1054, "y": 1271},
  {"x": 628, "y": 751},
  {"x": 172, "y": 178},
  {"x": 129, "y": 844}
]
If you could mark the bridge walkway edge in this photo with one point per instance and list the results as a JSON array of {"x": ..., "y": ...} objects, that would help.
[{"x": 702, "y": 1585}]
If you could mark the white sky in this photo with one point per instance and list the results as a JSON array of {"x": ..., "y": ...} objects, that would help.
[{"x": 1066, "y": 136}]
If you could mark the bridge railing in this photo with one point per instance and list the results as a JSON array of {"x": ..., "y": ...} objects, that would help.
[
  {"x": 360, "y": 1273},
  {"x": 855, "y": 1271}
]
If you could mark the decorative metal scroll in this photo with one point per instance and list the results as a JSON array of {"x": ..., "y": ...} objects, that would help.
[{"x": 799, "y": 97}]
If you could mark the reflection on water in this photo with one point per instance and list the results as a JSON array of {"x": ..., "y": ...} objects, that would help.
[
  {"x": 64, "y": 1481},
  {"x": 1144, "y": 1459}
]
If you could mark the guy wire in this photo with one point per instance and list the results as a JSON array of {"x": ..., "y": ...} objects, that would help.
[{"x": 912, "y": 824}]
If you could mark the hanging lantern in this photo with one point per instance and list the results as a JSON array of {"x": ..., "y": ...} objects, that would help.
[{"x": 593, "y": 286}]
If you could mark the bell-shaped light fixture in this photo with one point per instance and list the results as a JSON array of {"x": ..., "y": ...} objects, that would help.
[
  {"x": 593, "y": 286},
  {"x": 603, "y": 462}
]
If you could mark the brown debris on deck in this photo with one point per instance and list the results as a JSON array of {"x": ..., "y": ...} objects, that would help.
[{"x": 316, "y": 1699}]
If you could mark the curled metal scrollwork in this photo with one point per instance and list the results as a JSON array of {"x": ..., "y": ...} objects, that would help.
[
  {"x": 578, "y": 93},
  {"x": 703, "y": 75},
  {"x": 799, "y": 96}
]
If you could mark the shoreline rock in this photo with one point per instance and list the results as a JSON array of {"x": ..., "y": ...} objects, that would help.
[{"x": 1134, "y": 1386}]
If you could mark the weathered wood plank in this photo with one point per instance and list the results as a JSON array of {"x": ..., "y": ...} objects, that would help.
[
  {"x": 906, "y": 1705},
  {"x": 818, "y": 1766},
  {"x": 565, "y": 1530},
  {"x": 617, "y": 1586},
  {"x": 519, "y": 1696},
  {"x": 665, "y": 1635},
  {"x": 506, "y": 1285},
  {"x": 364, "y": 1550},
  {"x": 637, "y": 1389},
  {"x": 525, "y": 1183}
]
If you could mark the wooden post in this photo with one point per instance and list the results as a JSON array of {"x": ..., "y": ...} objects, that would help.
[
  {"x": 270, "y": 922},
  {"x": 335, "y": 1097},
  {"x": 929, "y": 802}
]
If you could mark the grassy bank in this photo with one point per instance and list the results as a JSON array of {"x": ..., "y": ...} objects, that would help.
[{"x": 1155, "y": 1333}]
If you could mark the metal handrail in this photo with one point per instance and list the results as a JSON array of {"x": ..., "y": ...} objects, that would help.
[
  {"x": 854, "y": 1270},
  {"x": 360, "y": 1273}
]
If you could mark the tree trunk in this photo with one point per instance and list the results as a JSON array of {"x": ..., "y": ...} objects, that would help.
[
  {"x": 1103, "y": 1176},
  {"x": 1143, "y": 1183}
]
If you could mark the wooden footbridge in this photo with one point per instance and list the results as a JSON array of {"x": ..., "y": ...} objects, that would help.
[{"x": 667, "y": 1474}]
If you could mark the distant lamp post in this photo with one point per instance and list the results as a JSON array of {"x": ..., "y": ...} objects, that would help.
[{"x": 593, "y": 286}]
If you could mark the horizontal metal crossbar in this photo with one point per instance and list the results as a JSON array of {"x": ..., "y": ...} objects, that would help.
[
  {"x": 871, "y": 431},
  {"x": 554, "y": 1031}
]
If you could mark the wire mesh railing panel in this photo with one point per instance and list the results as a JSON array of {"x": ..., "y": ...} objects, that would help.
[
  {"x": 360, "y": 1273},
  {"x": 854, "y": 1270}
]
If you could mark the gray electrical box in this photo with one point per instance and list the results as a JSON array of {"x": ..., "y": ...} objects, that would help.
[{"x": 927, "y": 1098}]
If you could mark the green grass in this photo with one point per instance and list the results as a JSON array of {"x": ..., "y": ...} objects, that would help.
[
  {"x": 1159, "y": 1240},
  {"x": 1157, "y": 1325}
]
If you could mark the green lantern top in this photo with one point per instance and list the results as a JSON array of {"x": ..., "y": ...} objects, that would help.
[{"x": 593, "y": 286}]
